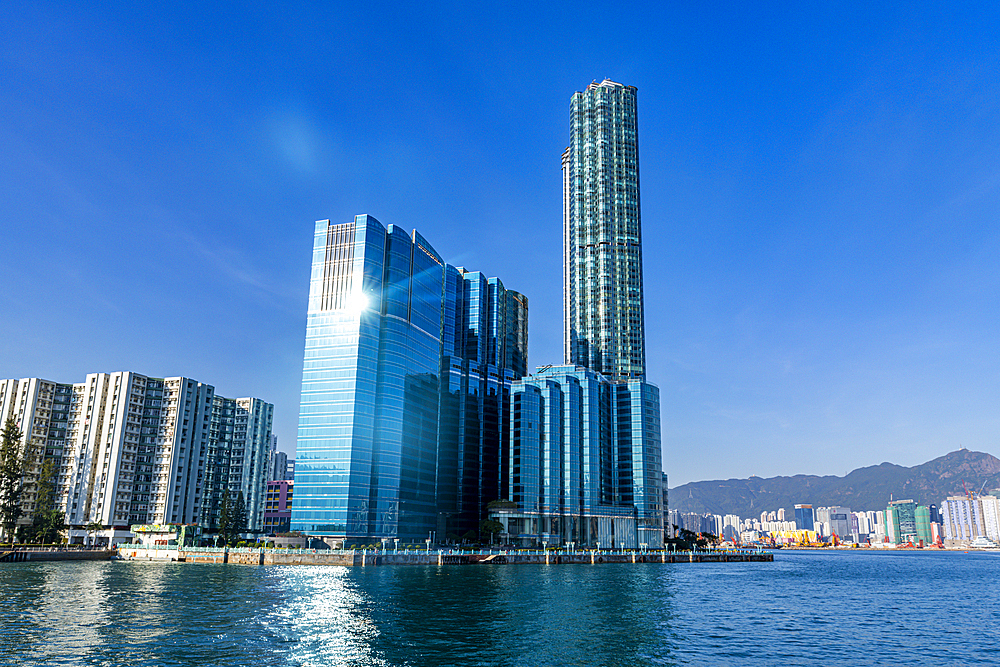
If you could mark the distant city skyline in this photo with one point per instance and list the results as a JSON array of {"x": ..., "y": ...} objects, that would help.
[{"x": 820, "y": 196}]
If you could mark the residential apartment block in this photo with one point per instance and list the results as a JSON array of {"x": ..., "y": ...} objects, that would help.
[{"x": 131, "y": 449}]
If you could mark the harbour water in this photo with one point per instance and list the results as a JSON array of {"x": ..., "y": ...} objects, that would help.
[{"x": 805, "y": 608}]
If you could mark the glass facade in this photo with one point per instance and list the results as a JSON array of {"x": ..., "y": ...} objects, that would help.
[
  {"x": 804, "y": 517},
  {"x": 602, "y": 234},
  {"x": 904, "y": 521},
  {"x": 408, "y": 364},
  {"x": 584, "y": 461},
  {"x": 585, "y": 453},
  {"x": 483, "y": 350}
]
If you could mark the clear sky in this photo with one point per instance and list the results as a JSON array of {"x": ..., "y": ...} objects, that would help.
[{"x": 820, "y": 198}]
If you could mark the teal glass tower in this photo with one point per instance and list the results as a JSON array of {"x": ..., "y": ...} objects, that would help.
[
  {"x": 405, "y": 387},
  {"x": 584, "y": 461},
  {"x": 585, "y": 453},
  {"x": 602, "y": 234}
]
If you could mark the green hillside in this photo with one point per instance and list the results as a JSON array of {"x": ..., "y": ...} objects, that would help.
[{"x": 863, "y": 489}]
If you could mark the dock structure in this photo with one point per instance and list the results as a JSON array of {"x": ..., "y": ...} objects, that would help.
[{"x": 373, "y": 557}]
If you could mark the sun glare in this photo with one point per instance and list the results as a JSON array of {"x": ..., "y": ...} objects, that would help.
[{"x": 356, "y": 302}]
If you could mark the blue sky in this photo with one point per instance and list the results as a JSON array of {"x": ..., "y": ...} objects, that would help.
[{"x": 820, "y": 196}]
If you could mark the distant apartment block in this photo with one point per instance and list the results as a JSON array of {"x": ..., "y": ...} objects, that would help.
[
  {"x": 279, "y": 466},
  {"x": 991, "y": 516},
  {"x": 963, "y": 520},
  {"x": 834, "y": 521},
  {"x": 131, "y": 449}
]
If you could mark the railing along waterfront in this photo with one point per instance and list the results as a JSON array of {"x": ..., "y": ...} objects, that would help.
[
  {"x": 457, "y": 551},
  {"x": 263, "y": 555}
]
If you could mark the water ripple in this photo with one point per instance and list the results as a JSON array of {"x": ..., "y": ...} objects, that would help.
[{"x": 805, "y": 608}]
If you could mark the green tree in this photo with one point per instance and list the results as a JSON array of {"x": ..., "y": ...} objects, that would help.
[
  {"x": 240, "y": 515},
  {"x": 92, "y": 528},
  {"x": 225, "y": 524},
  {"x": 12, "y": 465},
  {"x": 501, "y": 504},
  {"x": 490, "y": 527},
  {"x": 47, "y": 521}
]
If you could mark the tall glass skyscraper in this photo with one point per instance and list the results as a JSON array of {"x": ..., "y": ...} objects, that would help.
[
  {"x": 585, "y": 457},
  {"x": 405, "y": 387},
  {"x": 602, "y": 234}
]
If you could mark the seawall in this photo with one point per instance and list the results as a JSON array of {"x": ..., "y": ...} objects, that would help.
[
  {"x": 369, "y": 558},
  {"x": 51, "y": 554}
]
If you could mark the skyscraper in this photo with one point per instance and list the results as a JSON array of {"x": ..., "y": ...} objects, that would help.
[
  {"x": 585, "y": 459},
  {"x": 602, "y": 234},
  {"x": 405, "y": 387}
]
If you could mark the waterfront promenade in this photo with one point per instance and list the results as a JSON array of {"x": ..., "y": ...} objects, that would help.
[{"x": 376, "y": 557}]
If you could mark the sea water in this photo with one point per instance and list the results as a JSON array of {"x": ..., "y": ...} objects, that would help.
[{"x": 805, "y": 608}]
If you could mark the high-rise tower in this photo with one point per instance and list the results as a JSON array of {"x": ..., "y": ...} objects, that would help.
[
  {"x": 602, "y": 235},
  {"x": 406, "y": 388}
]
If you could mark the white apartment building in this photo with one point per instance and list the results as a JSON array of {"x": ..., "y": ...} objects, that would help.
[
  {"x": 240, "y": 457},
  {"x": 963, "y": 520},
  {"x": 990, "y": 506},
  {"x": 41, "y": 410},
  {"x": 130, "y": 449}
]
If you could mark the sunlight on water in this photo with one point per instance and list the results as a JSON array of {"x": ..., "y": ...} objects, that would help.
[
  {"x": 803, "y": 609},
  {"x": 328, "y": 620}
]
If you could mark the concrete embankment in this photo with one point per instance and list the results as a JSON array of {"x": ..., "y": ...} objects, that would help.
[
  {"x": 44, "y": 554},
  {"x": 366, "y": 558}
]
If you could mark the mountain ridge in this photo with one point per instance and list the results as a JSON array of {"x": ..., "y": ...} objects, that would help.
[{"x": 862, "y": 489}]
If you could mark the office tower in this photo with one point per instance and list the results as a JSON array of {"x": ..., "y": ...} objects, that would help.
[
  {"x": 602, "y": 234},
  {"x": 403, "y": 397},
  {"x": 901, "y": 519},
  {"x": 484, "y": 349},
  {"x": 804, "y": 517},
  {"x": 596, "y": 474},
  {"x": 127, "y": 449},
  {"x": 584, "y": 461}
]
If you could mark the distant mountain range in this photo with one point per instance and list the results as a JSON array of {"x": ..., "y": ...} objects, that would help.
[{"x": 861, "y": 490}]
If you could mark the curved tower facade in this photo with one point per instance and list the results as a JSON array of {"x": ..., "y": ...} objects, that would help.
[{"x": 602, "y": 234}]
